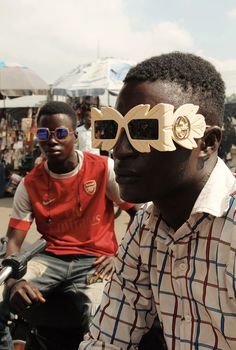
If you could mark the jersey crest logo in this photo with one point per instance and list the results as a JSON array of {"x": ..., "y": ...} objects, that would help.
[{"x": 90, "y": 187}]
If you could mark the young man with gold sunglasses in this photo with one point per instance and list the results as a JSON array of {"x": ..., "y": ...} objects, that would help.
[{"x": 177, "y": 262}]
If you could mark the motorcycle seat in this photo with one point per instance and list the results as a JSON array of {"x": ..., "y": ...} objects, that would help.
[{"x": 59, "y": 311}]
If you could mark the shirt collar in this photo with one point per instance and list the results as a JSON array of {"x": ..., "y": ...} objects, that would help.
[
  {"x": 71, "y": 173},
  {"x": 215, "y": 196}
]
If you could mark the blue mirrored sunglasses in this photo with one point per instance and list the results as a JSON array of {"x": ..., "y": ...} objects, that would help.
[{"x": 43, "y": 134}]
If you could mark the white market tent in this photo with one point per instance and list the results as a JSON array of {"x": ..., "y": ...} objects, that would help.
[
  {"x": 103, "y": 77},
  {"x": 24, "y": 101}
]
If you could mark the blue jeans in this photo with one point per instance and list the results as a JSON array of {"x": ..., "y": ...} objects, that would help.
[{"x": 48, "y": 273}]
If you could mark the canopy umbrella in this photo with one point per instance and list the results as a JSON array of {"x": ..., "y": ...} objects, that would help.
[
  {"x": 23, "y": 101},
  {"x": 93, "y": 79},
  {"x": 18, "y": 80}
]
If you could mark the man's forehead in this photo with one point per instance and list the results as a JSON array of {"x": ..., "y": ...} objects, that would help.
[
  {"x": 152, "y": 93},
  {"x": 55, "y": 115},
  {"x": 58, "y": 118}
]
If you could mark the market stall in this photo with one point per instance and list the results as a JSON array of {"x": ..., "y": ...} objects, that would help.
[
  {"x": 17, "y": 122},
  {"x": 18, "y": 147}
]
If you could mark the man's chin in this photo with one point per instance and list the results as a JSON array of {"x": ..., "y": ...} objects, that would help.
[{"x": 131, "y": 196}]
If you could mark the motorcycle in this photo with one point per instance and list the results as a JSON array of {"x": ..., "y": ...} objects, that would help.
[
  {"x": 61, "y": 322},
  {"x": 53, "y": 325}
]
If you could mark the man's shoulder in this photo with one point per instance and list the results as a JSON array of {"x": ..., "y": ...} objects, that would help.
[
  {"x": 37, "y": 171},
  {"x": 91, "y": 157},
  {"x": 80, "y": 128}
]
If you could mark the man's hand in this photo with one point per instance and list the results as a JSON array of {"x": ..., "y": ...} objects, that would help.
[
  {"x": 105, "y": 267},
  {"x": 23, "y": 294}
]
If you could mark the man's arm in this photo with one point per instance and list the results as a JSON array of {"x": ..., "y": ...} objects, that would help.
[
  {"x": 104, "y": 264},
  {"x": 127, "y": 309},
  {"x": 21, "y": 293},
  {"x": 15, "y": 240},
  {"x": 20, "y": 220}
]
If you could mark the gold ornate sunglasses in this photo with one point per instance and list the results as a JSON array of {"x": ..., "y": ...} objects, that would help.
[{"x": 157, "y": 127}]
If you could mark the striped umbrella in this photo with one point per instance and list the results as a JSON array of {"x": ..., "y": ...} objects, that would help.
[{"x": 18, "y": 80}]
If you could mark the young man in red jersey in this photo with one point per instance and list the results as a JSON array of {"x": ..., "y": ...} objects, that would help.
[{"x": 70, "y": 196}]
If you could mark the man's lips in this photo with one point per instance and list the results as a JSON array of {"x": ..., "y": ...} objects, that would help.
[
  {"x": 52, "y": 151},
  {"x": 126, "y": 176}
]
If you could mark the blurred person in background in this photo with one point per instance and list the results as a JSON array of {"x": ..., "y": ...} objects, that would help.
[{"x": 84, "y": 133}]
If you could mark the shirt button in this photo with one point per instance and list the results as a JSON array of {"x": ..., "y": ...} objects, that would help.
[
  {"x": 188, "y": 318},
  {"x": 182, "y": 266}
]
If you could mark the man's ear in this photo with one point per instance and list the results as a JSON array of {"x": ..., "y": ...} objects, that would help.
[
  {"x": 75, "y": 135},
  {"x": 210, "y": 142}
]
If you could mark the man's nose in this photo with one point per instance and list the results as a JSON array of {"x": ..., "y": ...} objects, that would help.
[
  {"x": 123, "y": 148},
  {"x": 51, "y": 137}
]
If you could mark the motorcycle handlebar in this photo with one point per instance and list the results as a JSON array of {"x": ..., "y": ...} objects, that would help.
[
  {"x": 15, "y": 265},
  {"x": 5, "y": 273},
  {"x": 36, "y": 248}
]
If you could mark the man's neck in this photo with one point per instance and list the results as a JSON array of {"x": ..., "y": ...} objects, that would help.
[
  {"x": 68, "y": 165},
  {"x": 87, "y": 127},
  {"x": 176, "y": 209}
]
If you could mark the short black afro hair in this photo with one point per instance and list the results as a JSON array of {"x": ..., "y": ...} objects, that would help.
[
  {"x": 58, "y": 107},
  {"x": 192, "y": 73}
]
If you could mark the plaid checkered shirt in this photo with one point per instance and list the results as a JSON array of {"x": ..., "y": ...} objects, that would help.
[{"x": 186, "y": 277}]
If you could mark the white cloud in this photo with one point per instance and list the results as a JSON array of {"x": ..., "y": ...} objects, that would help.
[
  {"x": 227, "y": 68},
  {"x": 232, "y": 13},
  {"x": 225, "y": 65},
  {"x": 53, "y": 36}
]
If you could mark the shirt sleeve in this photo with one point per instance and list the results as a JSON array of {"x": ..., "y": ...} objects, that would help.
[
  {"x": 127, "y": 310},
  {"x": 112, "y": 190},
  {"x": 21, "y": 216},
  {"x": 230, "y": 224}
]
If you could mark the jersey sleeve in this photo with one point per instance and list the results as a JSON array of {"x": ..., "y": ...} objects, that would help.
[{"x": 21, "y": 217}]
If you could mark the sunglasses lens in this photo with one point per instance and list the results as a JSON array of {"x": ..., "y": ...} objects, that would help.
[
  {"x": 105, "y": 129},
  {"x": 42, "y": 134},
  {"x": 143, "y": 129},
  {"x": 61, "y": 133}
]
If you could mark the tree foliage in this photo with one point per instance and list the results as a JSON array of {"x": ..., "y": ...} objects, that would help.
[{"x": 231, "y": 98}]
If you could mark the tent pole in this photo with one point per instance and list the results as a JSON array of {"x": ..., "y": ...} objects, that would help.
[{"x": 6, "y": 115}]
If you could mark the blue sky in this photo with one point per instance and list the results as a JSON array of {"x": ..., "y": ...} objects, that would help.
[
  {"x": 210, "y": 22},
  {"x": 54, "y": 36}
]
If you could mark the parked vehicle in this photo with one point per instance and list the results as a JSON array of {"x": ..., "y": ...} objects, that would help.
[{"x": 56, "y": 324}]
